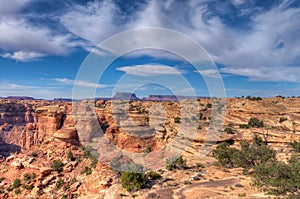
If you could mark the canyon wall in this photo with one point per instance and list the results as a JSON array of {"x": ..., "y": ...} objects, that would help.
[{"x": 147, "y": 123}]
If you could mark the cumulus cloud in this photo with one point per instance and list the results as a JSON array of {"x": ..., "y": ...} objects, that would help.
[
  {"x": 26, "y": 41},
  {"x": 150, "y": 70},
  {"x": 270, "y": 41},
  {"x": 12, "y": 6},
  {"x": 93, "y": 22},
  {"x": 22, "y": 56},
  {"x": 283, "y": 73}
]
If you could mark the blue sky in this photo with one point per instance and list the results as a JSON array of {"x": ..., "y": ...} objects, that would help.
[{"x": 255, "y": 45}]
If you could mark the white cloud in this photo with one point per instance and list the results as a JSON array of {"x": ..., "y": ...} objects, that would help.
[
  {"x": 209, "y": 73},
  {"x": 5, "y": 85},
  {"x": 150, "y": 70},
  {"x": 237, "y": 2},
  {"x": 284, "y": 73},
  {"x": 270, "y": 44},
  {"x": 12, "y": 6},
  {"x": 22, "y": 56},
  {"x": 79, "y": 83},
  {"x": 93, "y": 22},
  {"x": 271, "y": 41},
  {"x": 23, "y": 41}
]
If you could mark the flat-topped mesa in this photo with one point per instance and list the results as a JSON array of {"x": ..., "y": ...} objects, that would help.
[{"x": 125, "y": 96}]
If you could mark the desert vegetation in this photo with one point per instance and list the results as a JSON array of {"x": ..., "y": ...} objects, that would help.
[{"x": 259, "y": 160}]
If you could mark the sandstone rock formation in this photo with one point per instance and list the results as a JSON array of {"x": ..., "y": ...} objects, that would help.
[{"x": 124, "y": 127}]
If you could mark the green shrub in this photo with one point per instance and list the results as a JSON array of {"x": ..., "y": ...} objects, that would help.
[
  {"x": 282, "y": 119},
  {"x": 200, "y": 116},
  {"x": 67, "y": 187},
  {"x": 256, "y": 153},
  {"x": 88, "y": 154},
  {"x": 153, "y": 175},
  {"x": 272, "y": 176},
  {"x": 10, "y": 188},
  {"x": 279, "y": 178},
  {"x": 59, "y": 183},
  {"x": 28, "y": 187},
  {"x": 209, "y": 105},
  {"x": 34, "y": 154},
  {"x": 1, "y": 179},
  {"x": 164, "y": 132},
  {"x": 74, "y": 180},
  {"x": 94, "y": 162},
  {"x": 176, "y": 162},
  {"x": 247, "y": 157},
  {"x": 148, "y": 149},
  {"x": 295, "y": 145},
  {"x": 253, "y": 98},
  {"x": 200, "y": 165},
  {"x": 133, "y": 181},
  {"x": 229, "y": 130},
  {"x": 18, "y": 191},
  {"x": 28, "y": 176},
  {"x": 256, "y": 123},
  {"x": 57, "y": 165},
  {"x": 226, "y": 156},
  {"x": 186, "y": 182},
  {"x": 71, "y": 156},
  {"x": 16, "y": 183},
  {"x": 244, "y": 126},
  {"x": 177, "y": 120},
  {"x": 87, "y": 171}
]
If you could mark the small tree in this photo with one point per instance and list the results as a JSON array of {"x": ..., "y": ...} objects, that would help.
[
  {"x": 295, "y": 145},
  {"x": 282, "y": 119},
  {"x": 28, "y": 176},
  {"x": 225, "y": 155},
  {"x": 153, "y": 175},
  {"x": 247, "y": 157},
  {"x": 244, "y": 126},
  {"x": 87, "y": 171},
  {"x": 256, "y": 123},
  {"x": 279, "y": 178},
  {"x": 71, "y": 156},
  {"x": 176, "y": 162},
  {"x": 34, "y": 154},
  {"x": 57, "y": 165},
  {"x": 59, "y": 183},
  {"x": 148, "y": 149},
  {"x": 228, "y": 130},
  {"x": 133, "y": 181},
  {"x": 177, "y": 120},
  {"x": 16, "y": 183}
]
